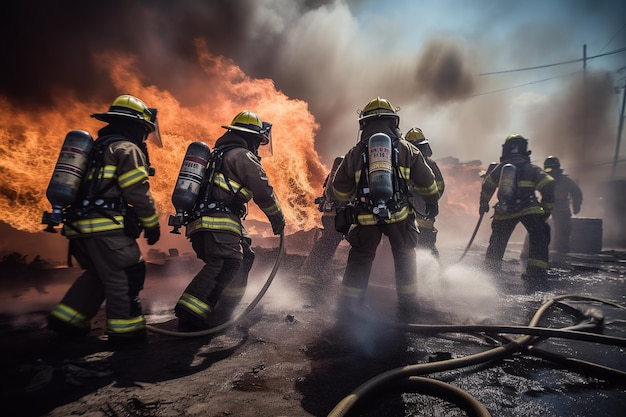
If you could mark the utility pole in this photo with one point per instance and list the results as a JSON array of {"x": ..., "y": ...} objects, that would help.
[
  {"x": 584, "y": 107},
  {"x": 620, "y": 127}
]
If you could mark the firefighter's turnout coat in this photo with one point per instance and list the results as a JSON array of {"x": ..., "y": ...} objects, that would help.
[
  {"x": 531, "y": 182},
  {"x": 411, "y": 165},
  {"x": 102, "y": 234},
  {"x": 426, "y": 226},
  {"x": 400, "y": 228},
  {"x": 218, "y": 236},
  {"x": 567, "y": 193}
]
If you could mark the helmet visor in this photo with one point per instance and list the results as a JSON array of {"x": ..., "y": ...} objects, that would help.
[
  {"x": 266, "y": 134},
  {"x": 155, "y": 136}
]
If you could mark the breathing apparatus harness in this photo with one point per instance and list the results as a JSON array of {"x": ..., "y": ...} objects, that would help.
[
  {"x": 91, "y": 189},
  {"x": 512, "y": 197},
  {"x": 399, "y": 195},
  {"x": 206, "y": 205}
]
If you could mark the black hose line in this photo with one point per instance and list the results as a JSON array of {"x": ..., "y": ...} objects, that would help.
[
  {"x": 515, "y": 345},
  {"x": 534, "y": 331},
  {"x": 589, "y": 369},
  {"x": 480, "y": 219},
  {"x": 439, "y": 389},
  {"x": 231, "y": 322}
]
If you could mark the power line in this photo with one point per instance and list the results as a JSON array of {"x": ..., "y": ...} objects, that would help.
[
  {"x": 555, "y": 64},
  {"x": 523, "y": 85},
  {"x": 613, "y": 37}
]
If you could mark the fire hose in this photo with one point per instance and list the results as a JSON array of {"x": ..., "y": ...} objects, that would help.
[
  {"x": 480, "y": 219},
  {"x": 400, "y": 377},
  {"x": 231, "y": 322}
]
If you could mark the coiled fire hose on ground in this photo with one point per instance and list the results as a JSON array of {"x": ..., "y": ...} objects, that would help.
[
  {"x": 229, "y": 323},
  {"x": 408, "y": 373}
]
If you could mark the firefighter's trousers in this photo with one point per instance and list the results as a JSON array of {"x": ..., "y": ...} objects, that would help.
[
  {"x": 562, "y": 229},
  {"x": 113, "y": 270},
  {"x": 539, "y": 240},
  {"x": 313, "y": 270},
  {"x": 221, "y": 283},
  {"x": 427, "y": 236},
  {"x": 364, "y": 241}
]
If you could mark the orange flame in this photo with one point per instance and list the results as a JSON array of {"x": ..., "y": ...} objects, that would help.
[{"x": 30, "y": 141}]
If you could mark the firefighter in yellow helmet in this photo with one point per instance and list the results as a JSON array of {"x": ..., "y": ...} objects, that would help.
[
  {"x": 114, "y": 205},
  {"x": 426, "y": 226},
  {"x": 518, "y": 181},
  {"x": 313, "y": 275},
  {"x": 217, "y": 234},
  {"x": 372, "y": 184}
]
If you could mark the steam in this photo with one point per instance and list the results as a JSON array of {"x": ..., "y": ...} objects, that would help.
[{"x": 461, "y": 291}]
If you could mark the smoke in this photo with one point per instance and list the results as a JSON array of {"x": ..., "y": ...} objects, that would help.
[
  {"x": 443, "y": 73},
  {"x": 579, "y": 130},
  {"x": 326, "y": 55}
]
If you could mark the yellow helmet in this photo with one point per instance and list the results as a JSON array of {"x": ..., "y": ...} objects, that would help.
[
  {"x": 249, "y": 122},
  {"x": 378, "y": 107},
  {"x": 415, "y": 135},
  {"x": 515, "y": 136},
  {"x": 127, "y": 107}
]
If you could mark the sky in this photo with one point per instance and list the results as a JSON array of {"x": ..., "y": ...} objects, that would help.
[{"x": 451, "y": 66}]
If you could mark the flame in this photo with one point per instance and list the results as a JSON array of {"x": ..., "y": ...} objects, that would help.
[
  {"x": 462, "y": 190},
  {"x": 30, "y": 141}
]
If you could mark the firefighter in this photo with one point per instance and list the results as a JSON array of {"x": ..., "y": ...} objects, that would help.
[
  {"x": 566, "y": 193},
  {"x": 355, "y": 187},
  {"x": 115, "y": 204},
  {"x": 517, "y": 181},
  {"x": 217, "y": 234},
  {"x": 428, "y": 231},
  {"x": 313, "y": 272}
]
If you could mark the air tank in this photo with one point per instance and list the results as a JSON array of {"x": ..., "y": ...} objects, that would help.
[
  {"x": 506, "y": 186},
  {"x": 67, "y": 175},
  {"x": 190, "y": 178},
  {"x": 380, "y": 173}
]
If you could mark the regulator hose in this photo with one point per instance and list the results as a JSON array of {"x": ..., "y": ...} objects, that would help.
[
  {"x": 229, "y": 323},
  {"x": 395, "y": 375}
]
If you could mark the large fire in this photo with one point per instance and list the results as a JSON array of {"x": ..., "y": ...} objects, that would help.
[{"x": 30, "y": 141}]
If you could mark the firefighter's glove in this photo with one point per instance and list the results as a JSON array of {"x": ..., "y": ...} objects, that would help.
[
  {"x": 278, "y": 223},
  {"x": 432, "y": 210},
  {"x": 152, "y": 235},
  {"x": 484, "y": 208}
]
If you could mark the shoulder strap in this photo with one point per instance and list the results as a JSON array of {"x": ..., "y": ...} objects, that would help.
[
  {"x": 97, "y": 163},
  {"x": 400, "y": 186},
  {"x": 214, "y": 167}
]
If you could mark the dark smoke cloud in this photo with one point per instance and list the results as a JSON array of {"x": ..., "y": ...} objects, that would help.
[
  {"x": 307, "y": 48},
  {"x": 53, "y": 45},
  {"x": 443, "y": 73},
  {"x": 315, "y": 51}
]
